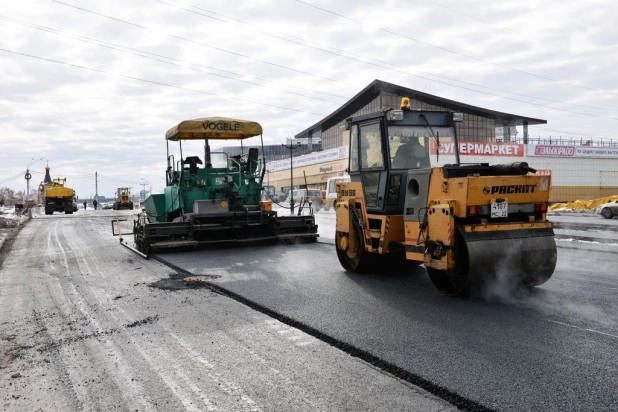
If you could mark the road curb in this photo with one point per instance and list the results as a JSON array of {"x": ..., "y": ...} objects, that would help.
[
  {"x": 573, "y": 214},
  {"x": 587, "y": 239},
  {"x": 3, "y": 237},
  {"x": 585, "y": 226}
]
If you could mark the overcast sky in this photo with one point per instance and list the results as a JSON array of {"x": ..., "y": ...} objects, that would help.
[{"x": 120, "y": 82}]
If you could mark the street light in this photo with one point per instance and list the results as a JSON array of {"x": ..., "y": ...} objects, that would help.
[
  {"x": 28, "y": 176},
  {"x": 143, "y": 184}
]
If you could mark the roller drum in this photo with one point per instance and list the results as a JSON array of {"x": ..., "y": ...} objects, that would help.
[{"x": 530, "y": 260}]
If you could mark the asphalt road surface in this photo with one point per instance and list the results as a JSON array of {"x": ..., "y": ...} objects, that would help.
[
  {"x": 552, "y": 349},
  {"x": 85, "y": 324}
]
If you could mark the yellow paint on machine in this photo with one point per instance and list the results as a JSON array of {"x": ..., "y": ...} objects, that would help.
[
  {"x": 441, "y": 223},
  {"x": 394, "y": 234},
  {"x": 482, "y": 190},
  {"x": 412, "y": 229},
  {"x": 517, "y": 189}
]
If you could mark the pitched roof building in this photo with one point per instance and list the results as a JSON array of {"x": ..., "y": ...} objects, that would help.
[{"x": 479, "y": 124}]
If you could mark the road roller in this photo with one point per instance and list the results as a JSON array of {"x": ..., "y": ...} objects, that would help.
[
  {"x": 217, "y": 200},
  {"x": 469, "y": 224}
]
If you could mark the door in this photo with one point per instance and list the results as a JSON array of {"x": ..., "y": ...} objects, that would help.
[{"x": 373, "y": 174}]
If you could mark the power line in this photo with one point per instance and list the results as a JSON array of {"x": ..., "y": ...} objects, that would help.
[
  {"x": 200, "y": 44},
  {"x": 364, "y": 59},
  {"x": 113, "y": 179},
  {"x": 450, "y": 84},
  {"x": 245, "y": 100},
  {"x": 16, "y": 176},
  {"x": 453, "y": 51},
  {"x": 70, "y": 177},
  {"x": 576, "y": 133},
  {"x": 458, "y": 11},
  {"x": 236, "y": 99},
  {"x": 130, "y": 51}
]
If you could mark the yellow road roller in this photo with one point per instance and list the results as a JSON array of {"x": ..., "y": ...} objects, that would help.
[{"x": 467, "y": 223}]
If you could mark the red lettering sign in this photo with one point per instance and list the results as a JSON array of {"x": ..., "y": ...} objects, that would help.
[
  {"x": 481, "y": 149},
  {"x": 554, "y": 151}
]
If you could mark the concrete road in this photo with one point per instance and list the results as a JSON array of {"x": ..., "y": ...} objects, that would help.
[
  {"x": 87, "y": 325},
  {"x": 553, "y": 349}
]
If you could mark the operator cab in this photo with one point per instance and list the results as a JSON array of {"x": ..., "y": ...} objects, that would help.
[{"x": 387, "y": 147}]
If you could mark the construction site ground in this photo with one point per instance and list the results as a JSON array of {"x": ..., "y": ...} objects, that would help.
[{"x": 86, "y": 324}]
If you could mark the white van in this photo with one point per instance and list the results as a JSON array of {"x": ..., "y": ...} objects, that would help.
[{"x": 331, "y": 190}]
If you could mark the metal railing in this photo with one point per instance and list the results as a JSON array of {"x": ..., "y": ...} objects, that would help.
[{"x": 565, "y": 141}]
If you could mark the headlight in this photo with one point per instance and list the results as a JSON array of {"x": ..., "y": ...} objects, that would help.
[{"x": 395, "y": 115}]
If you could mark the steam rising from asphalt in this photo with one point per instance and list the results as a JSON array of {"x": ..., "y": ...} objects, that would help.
[{"x": 504, "y": 287}]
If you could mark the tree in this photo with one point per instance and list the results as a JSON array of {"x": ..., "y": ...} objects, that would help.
[{"x": 7, "y": 193}]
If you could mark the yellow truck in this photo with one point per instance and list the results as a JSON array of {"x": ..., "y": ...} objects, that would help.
[{"x": 56, "y": 196}]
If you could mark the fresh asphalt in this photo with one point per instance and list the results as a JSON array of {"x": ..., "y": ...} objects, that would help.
[{"x": 553, "y": 348}]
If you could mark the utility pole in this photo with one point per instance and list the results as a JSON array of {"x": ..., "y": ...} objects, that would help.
[
  {"x": 96, "y": 185},
  {"x": 28, "y": 176},
  {"x": 291, "y": 147}
]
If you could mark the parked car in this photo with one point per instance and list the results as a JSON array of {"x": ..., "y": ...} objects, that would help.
[
  {"x": 608, "y": 210},
  {"x": 107, "y": 205}
]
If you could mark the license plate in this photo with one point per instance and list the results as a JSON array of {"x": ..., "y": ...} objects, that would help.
[
  {"x": 219, "y": 180},
  {"x": 500, "y": 209}
]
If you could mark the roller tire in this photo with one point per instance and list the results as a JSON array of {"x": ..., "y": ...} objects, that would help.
[
  {"x": 358, "y": 262},
  {"x": 607, "y": 213}
]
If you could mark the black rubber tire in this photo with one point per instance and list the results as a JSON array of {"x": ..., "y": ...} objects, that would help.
[
  {"x": 358, "y": 263},
  {"x": 456, "y": 283},
  {"x": 607, "y": 213},
  {"x": 68, "y": 212}
]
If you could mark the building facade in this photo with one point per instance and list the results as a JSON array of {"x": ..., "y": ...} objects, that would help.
[
  {"x": 272, "y": 152},
  {"x": 479, "y": 125}
]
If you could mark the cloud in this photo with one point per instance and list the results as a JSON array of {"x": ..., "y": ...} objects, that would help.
[{"x": 84, "y": 121}]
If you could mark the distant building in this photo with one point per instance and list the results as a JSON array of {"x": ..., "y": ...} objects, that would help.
[
  {"x": 479, "y": 125},
  {"x": 272, "y": 152}
]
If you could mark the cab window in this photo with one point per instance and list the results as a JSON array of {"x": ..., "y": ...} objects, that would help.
[{"x": 371, "y": 154}]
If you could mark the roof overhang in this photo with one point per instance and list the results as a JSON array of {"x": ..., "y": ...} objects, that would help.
[{"x": 375, "y": 88}]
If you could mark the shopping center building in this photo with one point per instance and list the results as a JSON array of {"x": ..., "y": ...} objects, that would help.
[{"x": 482, "y": 126}]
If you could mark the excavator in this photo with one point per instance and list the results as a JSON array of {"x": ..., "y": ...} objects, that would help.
[
  {"x": 217, "y": 200},
  {"x": 469, "y": 224}
]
